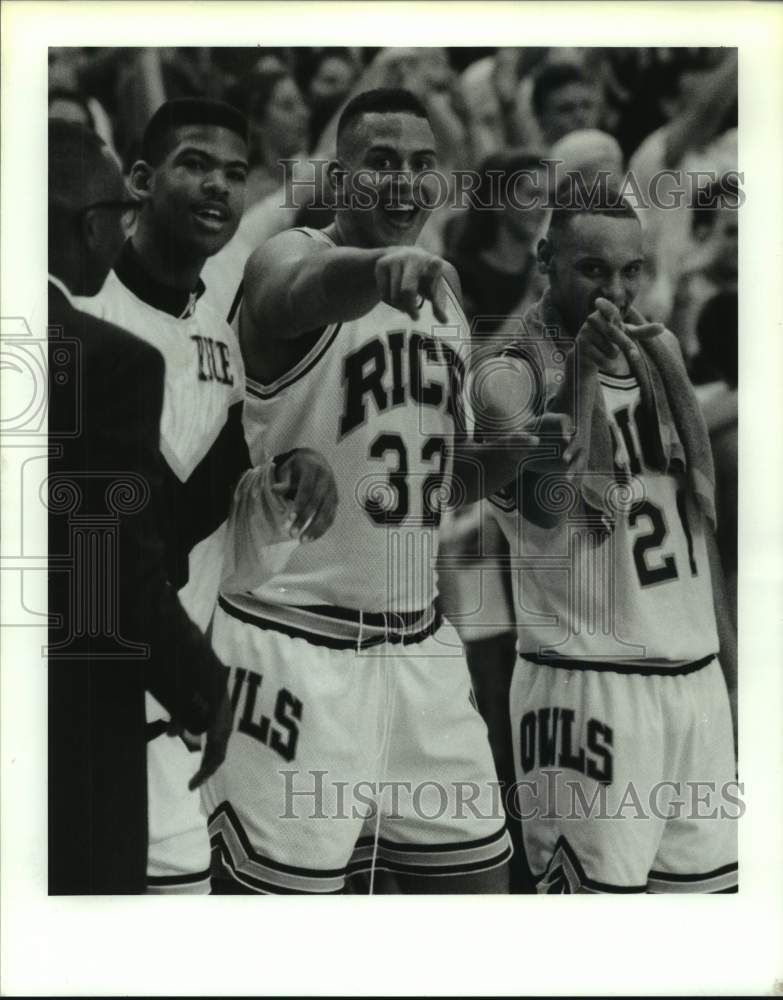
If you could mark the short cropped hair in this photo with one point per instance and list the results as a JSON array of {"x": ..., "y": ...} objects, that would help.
[
  {"x": 552, "y": 78},
  {"x": 157, "y": 138},
  {"x": 383, "y": 100},
  {"x": 571, "y": 200}
]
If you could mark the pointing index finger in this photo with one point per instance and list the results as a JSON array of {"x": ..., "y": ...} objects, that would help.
[
  {"x": 615, "y": 328},
  {"x": 439, "y": 300}
]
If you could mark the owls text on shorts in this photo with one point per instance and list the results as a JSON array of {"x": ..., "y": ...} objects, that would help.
[{"x": 552, "y": 795}]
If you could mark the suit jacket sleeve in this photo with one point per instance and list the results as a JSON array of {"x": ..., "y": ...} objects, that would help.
[{"x": 182, "y": 671}]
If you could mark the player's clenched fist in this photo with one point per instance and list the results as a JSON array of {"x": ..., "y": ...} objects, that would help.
[
  {"x": 604, "y": 334},
  {"x": 304, "y": 479},
  {"x": 405, "y": 275}
]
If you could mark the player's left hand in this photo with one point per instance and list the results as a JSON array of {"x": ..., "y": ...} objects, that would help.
[
  {"x": 216, "y": 744},
  {"x": 306, "y": 481},
  {"x": 554, "y": 429}
]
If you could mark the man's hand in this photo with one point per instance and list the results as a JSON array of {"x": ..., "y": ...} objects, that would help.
[
  {"x": 604, "y": 334},
  {"x": 216, "y": 744},
  {"x": 406, "y": 275},
  {"x": 552, "y": 430},
  {"x": 305, "y": 480}
]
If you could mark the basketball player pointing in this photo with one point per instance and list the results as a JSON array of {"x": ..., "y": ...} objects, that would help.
[
  {"x": 619, "y": 707},
  {"x": 351, "y": 339}
]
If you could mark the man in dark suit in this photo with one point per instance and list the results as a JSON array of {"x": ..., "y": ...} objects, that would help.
[{"x": 117, "y": 626}]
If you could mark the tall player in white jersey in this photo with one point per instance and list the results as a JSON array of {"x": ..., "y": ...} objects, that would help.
[
  {"x": 619, "y": 705},
  {"x": 344, "y": 677},
  {"x": 190, "y": 183}
]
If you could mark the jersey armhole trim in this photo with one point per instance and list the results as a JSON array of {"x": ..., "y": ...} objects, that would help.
[
  {"x": 268, "y": 390},
  {"x": 454, "y": 298},
  {"x": 299, "y": 370}
]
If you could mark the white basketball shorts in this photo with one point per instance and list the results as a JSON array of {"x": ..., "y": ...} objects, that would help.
[
  {"x": 626, "y": 781},
  {"x": 178, "y": 852},
  {"x": 344, "y": 759}
]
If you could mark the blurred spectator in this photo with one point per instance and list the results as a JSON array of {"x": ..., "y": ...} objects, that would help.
[
  {"x": 70, "y": 96},
  {"x": 238, "y": 63},
  {"x": 718, "y": 342},
  {"x": 709, "y": 269},
  {"x": 495, "y": 104},
  {"x": 639, "y": 78},
  {"x": 271, "y": 62},
  {"x": 333, "y": 76},
  {"x": 460, "y": 57},
  {"x": 70, "y": 106},
  {"x": 564, "y": 100},
  {"x": 587, "y": 152},
  {"x": 695, "y": 138},
  {"x": 65, "y": 64},
  {"x": 279, "y": 121},
  {"x": 493, "y": 245},
  {"x": 279, "y": 127}
]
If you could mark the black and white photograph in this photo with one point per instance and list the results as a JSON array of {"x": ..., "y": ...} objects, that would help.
[{"x": 383, "y": 516}]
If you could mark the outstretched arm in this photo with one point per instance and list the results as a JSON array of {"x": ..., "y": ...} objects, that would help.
[{"x": 294, "y": 285}]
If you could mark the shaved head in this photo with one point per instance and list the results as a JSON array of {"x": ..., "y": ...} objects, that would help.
[{"x": 383, "y": 101}]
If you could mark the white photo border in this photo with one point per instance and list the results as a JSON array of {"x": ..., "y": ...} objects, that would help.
[{"x": 516, "y": 945}]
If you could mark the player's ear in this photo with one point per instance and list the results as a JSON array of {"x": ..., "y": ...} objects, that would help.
[
  {"x": 140, "y": 180},
  {"x": 544, "y": 255},
  {"x": 336, "y": 172}
]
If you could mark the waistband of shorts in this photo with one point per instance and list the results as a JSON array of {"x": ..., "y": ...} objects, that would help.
[
  {"x": 614, "y": 666},
  {"x": 336, "y": 628}
]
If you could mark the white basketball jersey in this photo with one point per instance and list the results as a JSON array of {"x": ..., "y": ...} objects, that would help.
[
  {"x": 381, "y": 398},
  {"x": 201, "y": 429},
  {"x": 642, "y": 592}
]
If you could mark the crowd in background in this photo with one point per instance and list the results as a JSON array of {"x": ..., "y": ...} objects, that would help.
[{"x": 642, "y": 110}]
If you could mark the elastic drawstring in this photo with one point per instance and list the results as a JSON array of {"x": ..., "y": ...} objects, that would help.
[{"x": 391, "y": 704}]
